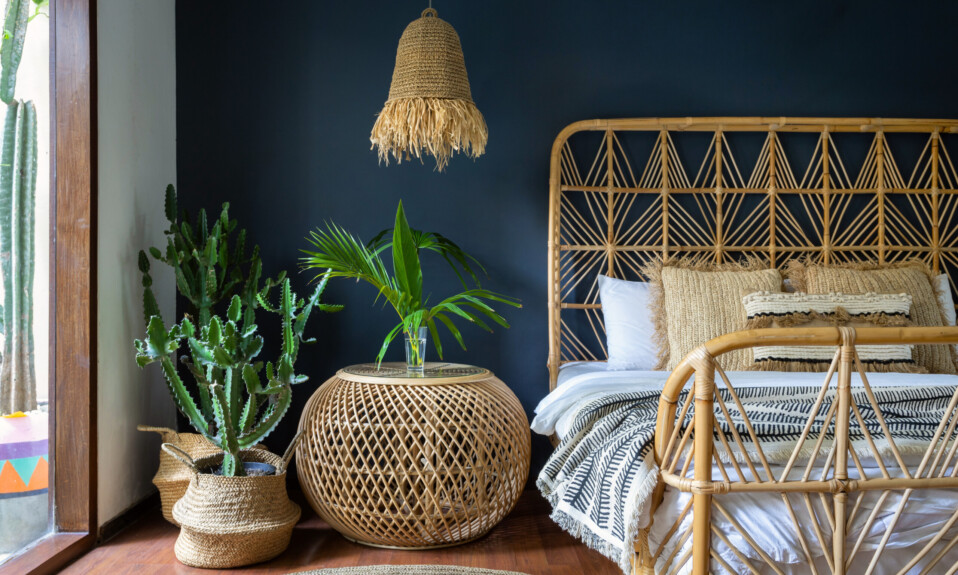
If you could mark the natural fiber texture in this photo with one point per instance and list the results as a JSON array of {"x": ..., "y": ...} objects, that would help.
[
  {"x": 407, "y": 570},
  {"x": 235, "y": 521},
  {"x": 615, "y": 206},
  {"x": 435, "y": 126},
  {"x": 443, "y": 460},
  {"x": 784, "y": 310},
  {"x": 694, "y": 301},
  {"x": 430, "y": 108},
  {"x": 699, "y": 188},
  {"x": 172, "y": 477},
  {"x": 912, "y": 277}
]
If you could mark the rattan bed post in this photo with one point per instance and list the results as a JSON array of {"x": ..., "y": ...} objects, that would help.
[
  {"x": 664, "y": 158},
  {"x": 719, "y": 195},
  {"x": 610, "y": 202},
  {"x": 935, "y": 231},
  {"x": 880, "y": 191},
  {"x": 704, "y": 389},
  {"x": 842, "y": 416},
  {"x": 555, "y": 276},
  {"x": 772, "y": 189},
  {"x": 826, "y": 201}
]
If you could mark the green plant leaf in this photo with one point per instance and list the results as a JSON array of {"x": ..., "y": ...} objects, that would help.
[
  {"x": 406, "y": 265},
  {"x": 452, "y": 329},
  {"x": 435, "y": 336},
  {"x": 143, "y": 262},
  {"x": 214, "y": 333},
  {"x": 250, "y": 410},
  {"x": 222, "y": 358},
  {"x": 169, "y": 204},
  {"x": 151, "y": 309},
  {"x": 186, "y": 328},
  {"x": 224, "y": 424},
  {"x": 389, "y": 338},
  {"x": 201, "y": 355},
  {"x": 235, "y": 310},
  {"x": 274, "y": 413}
]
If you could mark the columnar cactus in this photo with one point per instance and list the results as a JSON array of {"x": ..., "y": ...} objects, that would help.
[
  {"x": 18, "y": 180},
  {"x": 222, "y": 361},
  {"x": 11, "y": 49}
]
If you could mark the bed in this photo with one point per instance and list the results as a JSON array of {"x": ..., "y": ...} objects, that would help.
[{"x": 854, "y": 486}]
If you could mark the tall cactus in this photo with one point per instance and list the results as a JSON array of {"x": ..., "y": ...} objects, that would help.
[
  {"x": 207, "y": 268},
  {"x": 18, "y": 179},
  {"x": 11, "y": 48},
  {"x": 222, "y": 360}
]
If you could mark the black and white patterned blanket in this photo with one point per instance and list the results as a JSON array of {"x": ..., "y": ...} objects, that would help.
[{"x": 601, "y": 477}]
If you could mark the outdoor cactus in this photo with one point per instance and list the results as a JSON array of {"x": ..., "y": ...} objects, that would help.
[
  {"x": 11, "y": 48},
  {"x": 208, "y": 270},
  {"x": 222, "y": 359},
  {"x": 18, "y": 180}
]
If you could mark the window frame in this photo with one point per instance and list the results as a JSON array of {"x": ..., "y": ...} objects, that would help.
[{"x": 73, "y": 214}]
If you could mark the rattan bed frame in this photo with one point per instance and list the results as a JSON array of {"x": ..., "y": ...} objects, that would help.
[{"x": 607, "y": 217}]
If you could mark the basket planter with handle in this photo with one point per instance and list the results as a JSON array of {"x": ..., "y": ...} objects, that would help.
[
  {"x": 172, "y": 477},
  {"x": 233, "y": 521}
]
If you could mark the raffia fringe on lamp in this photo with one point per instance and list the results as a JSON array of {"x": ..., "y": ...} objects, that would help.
[{"x": 430, "y": 108}]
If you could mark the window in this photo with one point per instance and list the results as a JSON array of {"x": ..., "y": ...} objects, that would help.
[
  {"x": 63, "y": 288},
  {"x": 25, "y": 282}
]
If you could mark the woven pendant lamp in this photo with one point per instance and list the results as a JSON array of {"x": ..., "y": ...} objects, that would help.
[{"x": 430, "y": 108}]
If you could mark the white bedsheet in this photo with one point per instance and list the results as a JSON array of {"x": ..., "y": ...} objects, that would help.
[
  {"x": 765, "y": 516},
  {"x": 581, "y": 382}
]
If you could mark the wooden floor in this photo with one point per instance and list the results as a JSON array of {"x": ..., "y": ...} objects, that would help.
[{"x": 526, "y": 541}]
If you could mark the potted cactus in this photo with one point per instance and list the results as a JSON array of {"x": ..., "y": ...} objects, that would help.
[
  {"x": 235, "y": 511},
  {"x": 211, "y": 264}
]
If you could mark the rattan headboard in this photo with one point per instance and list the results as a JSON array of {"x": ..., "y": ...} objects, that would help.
[{"x": 852, "y": 203}]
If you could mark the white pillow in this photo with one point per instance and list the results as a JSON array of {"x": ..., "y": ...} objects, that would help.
[
  {"x": 628, "y": 324},
  {"x": 945, "y": 298}
]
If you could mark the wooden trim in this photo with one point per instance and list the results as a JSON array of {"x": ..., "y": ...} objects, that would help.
[
  {"x": 50, "y": 554},
  {"x": 73, "y": 297},
  {"x": 75, "y": 305},
  {"x": 129, "y": 516}
]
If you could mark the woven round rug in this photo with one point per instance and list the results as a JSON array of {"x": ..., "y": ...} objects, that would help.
[{"x": 407, "y": 570}]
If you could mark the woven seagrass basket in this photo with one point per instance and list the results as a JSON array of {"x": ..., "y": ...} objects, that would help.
[
  {"x": 233, "y": 521},
  {"x": 173, "y": 477}
]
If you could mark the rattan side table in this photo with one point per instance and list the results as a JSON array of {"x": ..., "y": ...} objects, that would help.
[{"x": 395, "y": 461}]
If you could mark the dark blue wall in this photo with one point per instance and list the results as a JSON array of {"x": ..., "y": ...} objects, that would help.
[{"x": 275, "y": 102}]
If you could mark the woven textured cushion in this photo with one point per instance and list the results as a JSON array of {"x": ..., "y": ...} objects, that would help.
[
  {"x": 912, "y": 278},
  {"x": 694, "y": 303},
  {"x": 776, "y": 310}
]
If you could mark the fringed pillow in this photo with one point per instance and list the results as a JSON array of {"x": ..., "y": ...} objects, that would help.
[
  {"x": 782, "y": 310},
  {"x": 694, "y": 301},
  {"x": 912, "y": 277}
]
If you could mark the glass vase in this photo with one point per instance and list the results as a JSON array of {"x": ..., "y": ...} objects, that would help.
[{"x": 416, "y": 352}]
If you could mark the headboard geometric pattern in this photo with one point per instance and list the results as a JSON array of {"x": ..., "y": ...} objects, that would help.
[{"x": 835, "y": 189}]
